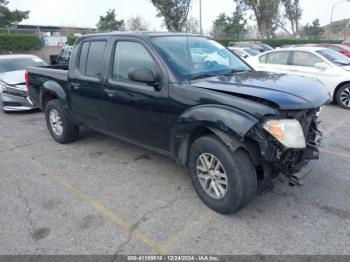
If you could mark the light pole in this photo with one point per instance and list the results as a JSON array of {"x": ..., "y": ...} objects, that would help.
[
  {"x": 200, "y": 17},
  {"x": 333, "y": 7}
]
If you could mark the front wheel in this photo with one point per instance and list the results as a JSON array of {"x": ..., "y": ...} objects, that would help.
[
  {"x": 59, "y": 123},
  {"x": 343, "y": 96},
  {"x": 225, "y": 181}
]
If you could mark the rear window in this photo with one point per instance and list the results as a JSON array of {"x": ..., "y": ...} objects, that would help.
[
  {"x": 94, "y": 64},
  {"x": 16, "y": 64},
  {"x": 91, "y": 58},
  {"x": 83, "y": 57},
  {"x": 278, "y": 58}
]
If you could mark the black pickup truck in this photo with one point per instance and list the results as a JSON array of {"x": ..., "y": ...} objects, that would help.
[{"x": 187, "y": 97}]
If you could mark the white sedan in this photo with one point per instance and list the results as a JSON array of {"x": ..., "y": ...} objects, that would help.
[{"x": 326, "y": 65}]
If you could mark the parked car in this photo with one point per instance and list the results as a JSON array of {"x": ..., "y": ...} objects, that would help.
[
  {"x": 346, "y": 42},
  {"x": 343, "y": 49},
  {"x": 13, "y": 92},
  {"x": 326, "y": 65},
  {"x": 243, "y": 52},
  {"x": 258, "y": 46},
  {"x": 232, "y": 127},
  {"x": 63, "y": 57}
]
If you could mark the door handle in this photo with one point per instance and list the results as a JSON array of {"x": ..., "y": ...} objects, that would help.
[
  {"x": 75, "y": 85},
  {"x": 109, "y": 92}
]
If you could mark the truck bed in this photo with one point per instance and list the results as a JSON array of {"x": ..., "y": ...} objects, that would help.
[
  {"x": 39, "y": 76},
  {"x": 56, "y": 72}
]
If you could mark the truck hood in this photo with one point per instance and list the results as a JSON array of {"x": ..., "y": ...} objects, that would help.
[
  {"x": 13, "y": 77},
  {"x": 289, "y": 92}
]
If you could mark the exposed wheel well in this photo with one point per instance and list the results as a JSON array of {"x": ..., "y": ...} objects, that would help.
[
  {"x": 337, "y": 88},
  {"x": 46, "y": 97}
]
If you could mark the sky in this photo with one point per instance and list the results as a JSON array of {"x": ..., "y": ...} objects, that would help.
[{"x": 86, "y": 13}]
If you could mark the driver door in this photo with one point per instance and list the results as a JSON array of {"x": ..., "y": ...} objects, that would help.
[{"x": 136, "y": 111}]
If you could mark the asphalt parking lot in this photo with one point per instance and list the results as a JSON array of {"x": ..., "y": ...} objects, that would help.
[{"x": 103, "y": 196}]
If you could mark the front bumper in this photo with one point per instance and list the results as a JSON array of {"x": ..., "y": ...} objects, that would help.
[{"x": 15, "y": 102}]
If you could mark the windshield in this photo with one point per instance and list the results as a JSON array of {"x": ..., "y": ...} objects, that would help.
[
  {"x": 195, "y": 57},
  {"x": 15, "y": 64},
  {"x": 334, "y": 57},
  {"x": 251, "y": 52}
]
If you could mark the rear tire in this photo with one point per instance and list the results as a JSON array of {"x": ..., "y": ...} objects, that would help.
[
  {"x": 343, "y": 96},
  {"x": 241, "y": 178},
  {"x": 59, "y": 122}
]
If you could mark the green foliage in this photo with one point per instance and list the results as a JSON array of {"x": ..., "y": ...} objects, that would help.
[
  {"x": 110, "y": 23},
  {"x": 280, "y": 42},
  {"x": 71, "y": 40},
  {"x": 19, "y": 42},
  {"x": 229, "y": 25},
  {"x": 266, "y": 13},
  {"x": 174, "y": 12},
  {"x": 137, "y": 24},
  {"x": 339, "y": 26},
  {"x": 10, "y": 18},
  {"x": 314, "y": 31}
]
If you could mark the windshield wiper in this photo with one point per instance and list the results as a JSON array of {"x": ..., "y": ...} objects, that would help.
[
  {"x": 203, "y": 75},
  {"x": 233, "y": 71}
]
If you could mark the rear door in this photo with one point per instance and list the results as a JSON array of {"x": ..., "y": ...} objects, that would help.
[
  {"x": 136, "y": 111},
  {"x": 86, "y": 84}
]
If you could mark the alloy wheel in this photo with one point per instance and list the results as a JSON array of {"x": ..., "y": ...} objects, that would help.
[
  {"x": 212, "y": 176},
  {"x": 345, "y": 97},
  {"x": 56, "y": 122}
]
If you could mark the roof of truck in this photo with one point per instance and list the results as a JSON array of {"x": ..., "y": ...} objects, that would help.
[{"x": 141, "y": 33}]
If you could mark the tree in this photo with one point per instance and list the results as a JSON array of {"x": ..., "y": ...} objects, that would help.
[
  {"x": 265, "y": 12},
  {"x": 292, "y": 12},
  {"x": 137, "y": 24},
  {"x": 174, "y": 12},
  {"x": 224, "y": 25},
  {"x": 110, "y": 23},
  {"x": 10, "y": 18},
  {"x": 314, "y": 31},
  {"x": 191, "y": 26},
  {"x": 219, "y": 26}
]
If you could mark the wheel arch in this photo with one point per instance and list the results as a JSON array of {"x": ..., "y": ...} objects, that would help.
[
  {"x": 230, "y": 125},
  {"x": 51, "y": 90},
  {"x": 338, "y": 87}
]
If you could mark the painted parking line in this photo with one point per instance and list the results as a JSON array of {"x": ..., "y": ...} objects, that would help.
[
  {"x": 192, "y": 229},
  {"x": 154, "y": 245},
  {"x": 335, "y": 153}
]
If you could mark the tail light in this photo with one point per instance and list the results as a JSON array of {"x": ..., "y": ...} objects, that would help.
[{"x": 26, "y": 79}]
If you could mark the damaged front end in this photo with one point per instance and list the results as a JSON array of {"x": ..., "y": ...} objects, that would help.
[{"x": 289, "y": 143}]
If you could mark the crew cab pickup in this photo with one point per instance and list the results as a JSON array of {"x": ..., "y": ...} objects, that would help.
[{"x": 188, "y": 97}]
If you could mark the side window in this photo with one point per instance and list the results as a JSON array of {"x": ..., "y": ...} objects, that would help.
[
  {"x": 278, "y": 58},
  {"x": 305, "y": 59},
  {"x": 94, "y": 64},
  {"x": 129, "y": 55},
  {"x": 83, "y": 57},
  {"x": 262, "y": 59}
]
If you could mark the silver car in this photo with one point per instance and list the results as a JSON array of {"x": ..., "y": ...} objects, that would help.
[{"x": 13, "y": 91}]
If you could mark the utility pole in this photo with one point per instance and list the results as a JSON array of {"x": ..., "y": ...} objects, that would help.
[
  {"x": 200, "y": 17},
  {"x": 332, "y": 13}
]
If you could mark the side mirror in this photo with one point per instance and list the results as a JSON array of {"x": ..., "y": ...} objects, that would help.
[
  {"x": 142, "y": 75},
  {"x": 245, "y": 56},
  {"x": 321, "y": 66}
]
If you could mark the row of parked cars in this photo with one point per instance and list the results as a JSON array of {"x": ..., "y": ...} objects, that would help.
[{"x": 329, "y": 63}]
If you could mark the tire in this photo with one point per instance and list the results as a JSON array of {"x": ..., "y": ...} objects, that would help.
[
  {"x": 68, "y": 131},
  {"x": 241, "y": 176},
  {"x": 343, "y": 96}
]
